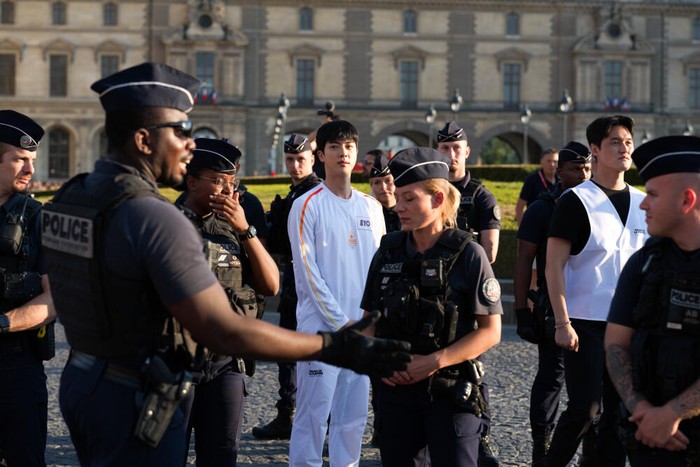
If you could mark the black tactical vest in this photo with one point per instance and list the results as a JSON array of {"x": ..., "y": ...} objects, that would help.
[
  {"x": 391, "y": 220},
  {"x": 467, "y": 217},
  {"x": 415, "y": 295},
  {"x": 104, "y": 314},
  {"x": 666, "y": 345}
]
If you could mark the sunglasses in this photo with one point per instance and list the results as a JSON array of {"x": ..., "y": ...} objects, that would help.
[{"x": 182, "y": 129}]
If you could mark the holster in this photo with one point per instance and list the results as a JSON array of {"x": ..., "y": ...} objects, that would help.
[
  {"x": 460, "y": 385},
  {"x": 165, "y": 391}
]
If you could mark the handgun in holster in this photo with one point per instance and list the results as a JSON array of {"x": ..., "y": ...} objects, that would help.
[{"x": 165, "y": 392}]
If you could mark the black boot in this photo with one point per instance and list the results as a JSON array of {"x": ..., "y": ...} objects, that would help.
[
  {"x": 487, "y": 458},
  {"x": 540, "y": 446},
  {"x": 280, "y": 427}
]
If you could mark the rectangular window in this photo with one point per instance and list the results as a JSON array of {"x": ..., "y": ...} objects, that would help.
[
  {"x": 58, "y": 13},
  {"x": 409, "y": 84},
  {"x": 695, "y": 33},
  {"x": 410, "y": 21},
  {"x": 306, "y": 19},
  {"x": 7, "y": 75},
  {"x": 305, "y": 81},
  {"x": 694, "y": 81},
  {"x": 613, "y": 80},
  {"x": 58, "y": 79},
  {"x": 511, "y": 85},
  {"x": 7, "y": 12},
  {"x": 512, "y": 24},
  {"x": 109, "y": 14},
  {"x": 204, "y": 69},
  {"x": 109, "y": 64}
]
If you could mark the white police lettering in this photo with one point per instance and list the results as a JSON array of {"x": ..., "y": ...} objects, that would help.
[
  {"x": 491, "y": 290},
  {"x": 393, "y": 268},
  {"x": 66, "y": 233},
  {"x": 685, "y": 299},
  {"x": 363, "y": 223}
]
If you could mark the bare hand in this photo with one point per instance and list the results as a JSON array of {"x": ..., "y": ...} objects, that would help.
[
  {"x": 230, "y": 209},
  {"x": 566, "y": 338},
  {"x": 419, "y": 368},
  {"x": 657, "y": 427}
]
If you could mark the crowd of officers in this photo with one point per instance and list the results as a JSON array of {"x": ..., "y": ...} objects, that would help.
[{"x": 161, "y": 302}]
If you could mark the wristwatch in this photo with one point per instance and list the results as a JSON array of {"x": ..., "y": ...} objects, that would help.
[
  {"x": 249, "y": 233},
  {"x": 4, "y": 324}
]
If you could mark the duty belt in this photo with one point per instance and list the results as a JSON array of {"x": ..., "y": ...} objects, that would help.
[
  {"x": 113, "y": 372},
  {"x": 11, "y": 343}
]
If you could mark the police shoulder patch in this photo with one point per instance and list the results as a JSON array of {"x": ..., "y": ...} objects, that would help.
[
  {"x": 491, "y": 290},
  {"x": 497, "y": 212}
]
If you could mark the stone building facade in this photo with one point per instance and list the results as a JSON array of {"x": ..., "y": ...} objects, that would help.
[{"x": 382, "y": 62}]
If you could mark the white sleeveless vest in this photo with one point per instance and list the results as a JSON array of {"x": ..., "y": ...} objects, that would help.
[{"x": 591, "y": 276}]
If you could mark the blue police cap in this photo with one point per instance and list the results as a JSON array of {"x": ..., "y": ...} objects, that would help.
[
  {"x": 219, "y": 155},
  {"x": 416, "y": 164},
  {"x": 451, "y": 132},
  {"x": 667, "y": 155},
  {"x": 296, "y": 144},
  {"x": 19, "y": 130},
  {"x": 575, "y": 152},
  {"x": 147, "y": 85},
  {"x": 380, "y": 168}
]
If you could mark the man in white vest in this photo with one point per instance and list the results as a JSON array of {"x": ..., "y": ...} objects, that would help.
[{"x": 595, "y": 228}]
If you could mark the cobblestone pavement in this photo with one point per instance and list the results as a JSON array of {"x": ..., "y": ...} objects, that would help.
[{"x": 510, "y": 373}]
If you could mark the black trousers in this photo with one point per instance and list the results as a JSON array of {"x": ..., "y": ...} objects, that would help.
[
  {"x": 587, "y": 383},
  {"x": 546, "y": 388},
  {"x": 287, "y": 371}
]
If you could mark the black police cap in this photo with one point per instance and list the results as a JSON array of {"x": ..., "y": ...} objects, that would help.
[
  {"x": 147, "y": 85},
  {"x": 19, "y": 130},
  {"x": 575, "y": 152},
  {"x": 667, "y": 155},
  {"x": 416, "y": 164},
  {"x": 296, "y": 144},
  {"x": 451, "y": 132},
  {"x": 219, "y": 155},
  {"x": 380, "y": 168}
]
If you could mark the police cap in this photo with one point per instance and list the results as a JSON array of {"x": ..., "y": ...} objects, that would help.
[
  {"x": 296, "y": 144},
  {"x": 575, "y": 152},
  {"x": 380, "y": 168},
  {"x": 451, "y": 132},
  {"x": 219, "y": 155},
  {"x": 667, "y": 155},
  {"x": 417, "y": 164},
  {"x": 19, "y": 130},
  {"x": 147, "y": 85}
]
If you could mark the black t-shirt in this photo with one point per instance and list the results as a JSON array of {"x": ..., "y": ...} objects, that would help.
[
  {"x": 488, "y": 214},
  {"x": 534, "y": 227},
  {"x": 570, "y": 219},
  {"x": 535, "y": 184},
  {"x": 254, "y": 212}
]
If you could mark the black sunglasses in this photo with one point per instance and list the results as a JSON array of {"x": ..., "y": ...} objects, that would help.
[{"x": 182, "y": 129}]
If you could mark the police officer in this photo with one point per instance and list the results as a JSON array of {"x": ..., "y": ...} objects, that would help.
[
  {"x": 299, "y": 161},
  {"x": 437, "y": 290},
  {"x": 537, "y": 326},
  {"x": 127, "y": 273},
  {"x": 480, "y": 215},
  {"x": 381, "y": 182},
  {"x": 479, "y": 212},
  {"x": 214, "y": 407},
  {"x": 652, "y": 341},
  {"x": 26, "y": 309}
]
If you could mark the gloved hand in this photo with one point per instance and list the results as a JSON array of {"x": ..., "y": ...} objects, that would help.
[
  {"x": 526, "y": 325},
  {"x": 348, "y": 348}
]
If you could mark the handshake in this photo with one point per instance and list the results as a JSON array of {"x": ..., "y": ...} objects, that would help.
[{"x": 349, "y": 348}]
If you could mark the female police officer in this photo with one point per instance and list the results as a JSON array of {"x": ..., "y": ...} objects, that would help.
[
  {"x": 436, "y": 289},
  {"x": 237, "y": 258}
]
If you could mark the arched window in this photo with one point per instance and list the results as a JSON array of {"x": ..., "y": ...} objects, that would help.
[
  {"x": 110, "y": 14},
  {"x": 59, "y": 153},
  {"x": 7, "y": 12},
  {"x": 58, "y": 13},
  {"x": 512, "y": 24},
  {"x": 306, "y": 19},
  {"x": 410, "y": 22}
]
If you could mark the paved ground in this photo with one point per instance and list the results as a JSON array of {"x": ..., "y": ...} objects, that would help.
[{"x": 510, "y": 374}]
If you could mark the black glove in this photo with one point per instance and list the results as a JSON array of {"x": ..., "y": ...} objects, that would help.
[
  {"x": 348, "y": 348},
  {"x": 526, "y": 325}
]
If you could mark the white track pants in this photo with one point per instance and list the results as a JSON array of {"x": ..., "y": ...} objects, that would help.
[{"x": 322, "y": 390}]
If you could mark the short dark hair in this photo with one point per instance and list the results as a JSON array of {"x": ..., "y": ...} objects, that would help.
[
  {"x": 377, "y": 153},
  {"x": 601, "y": 127},
  {"x": 119, "y": 124},
  {"x": 548, "y": 151},
  {"x": 335, "y": 131}
]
